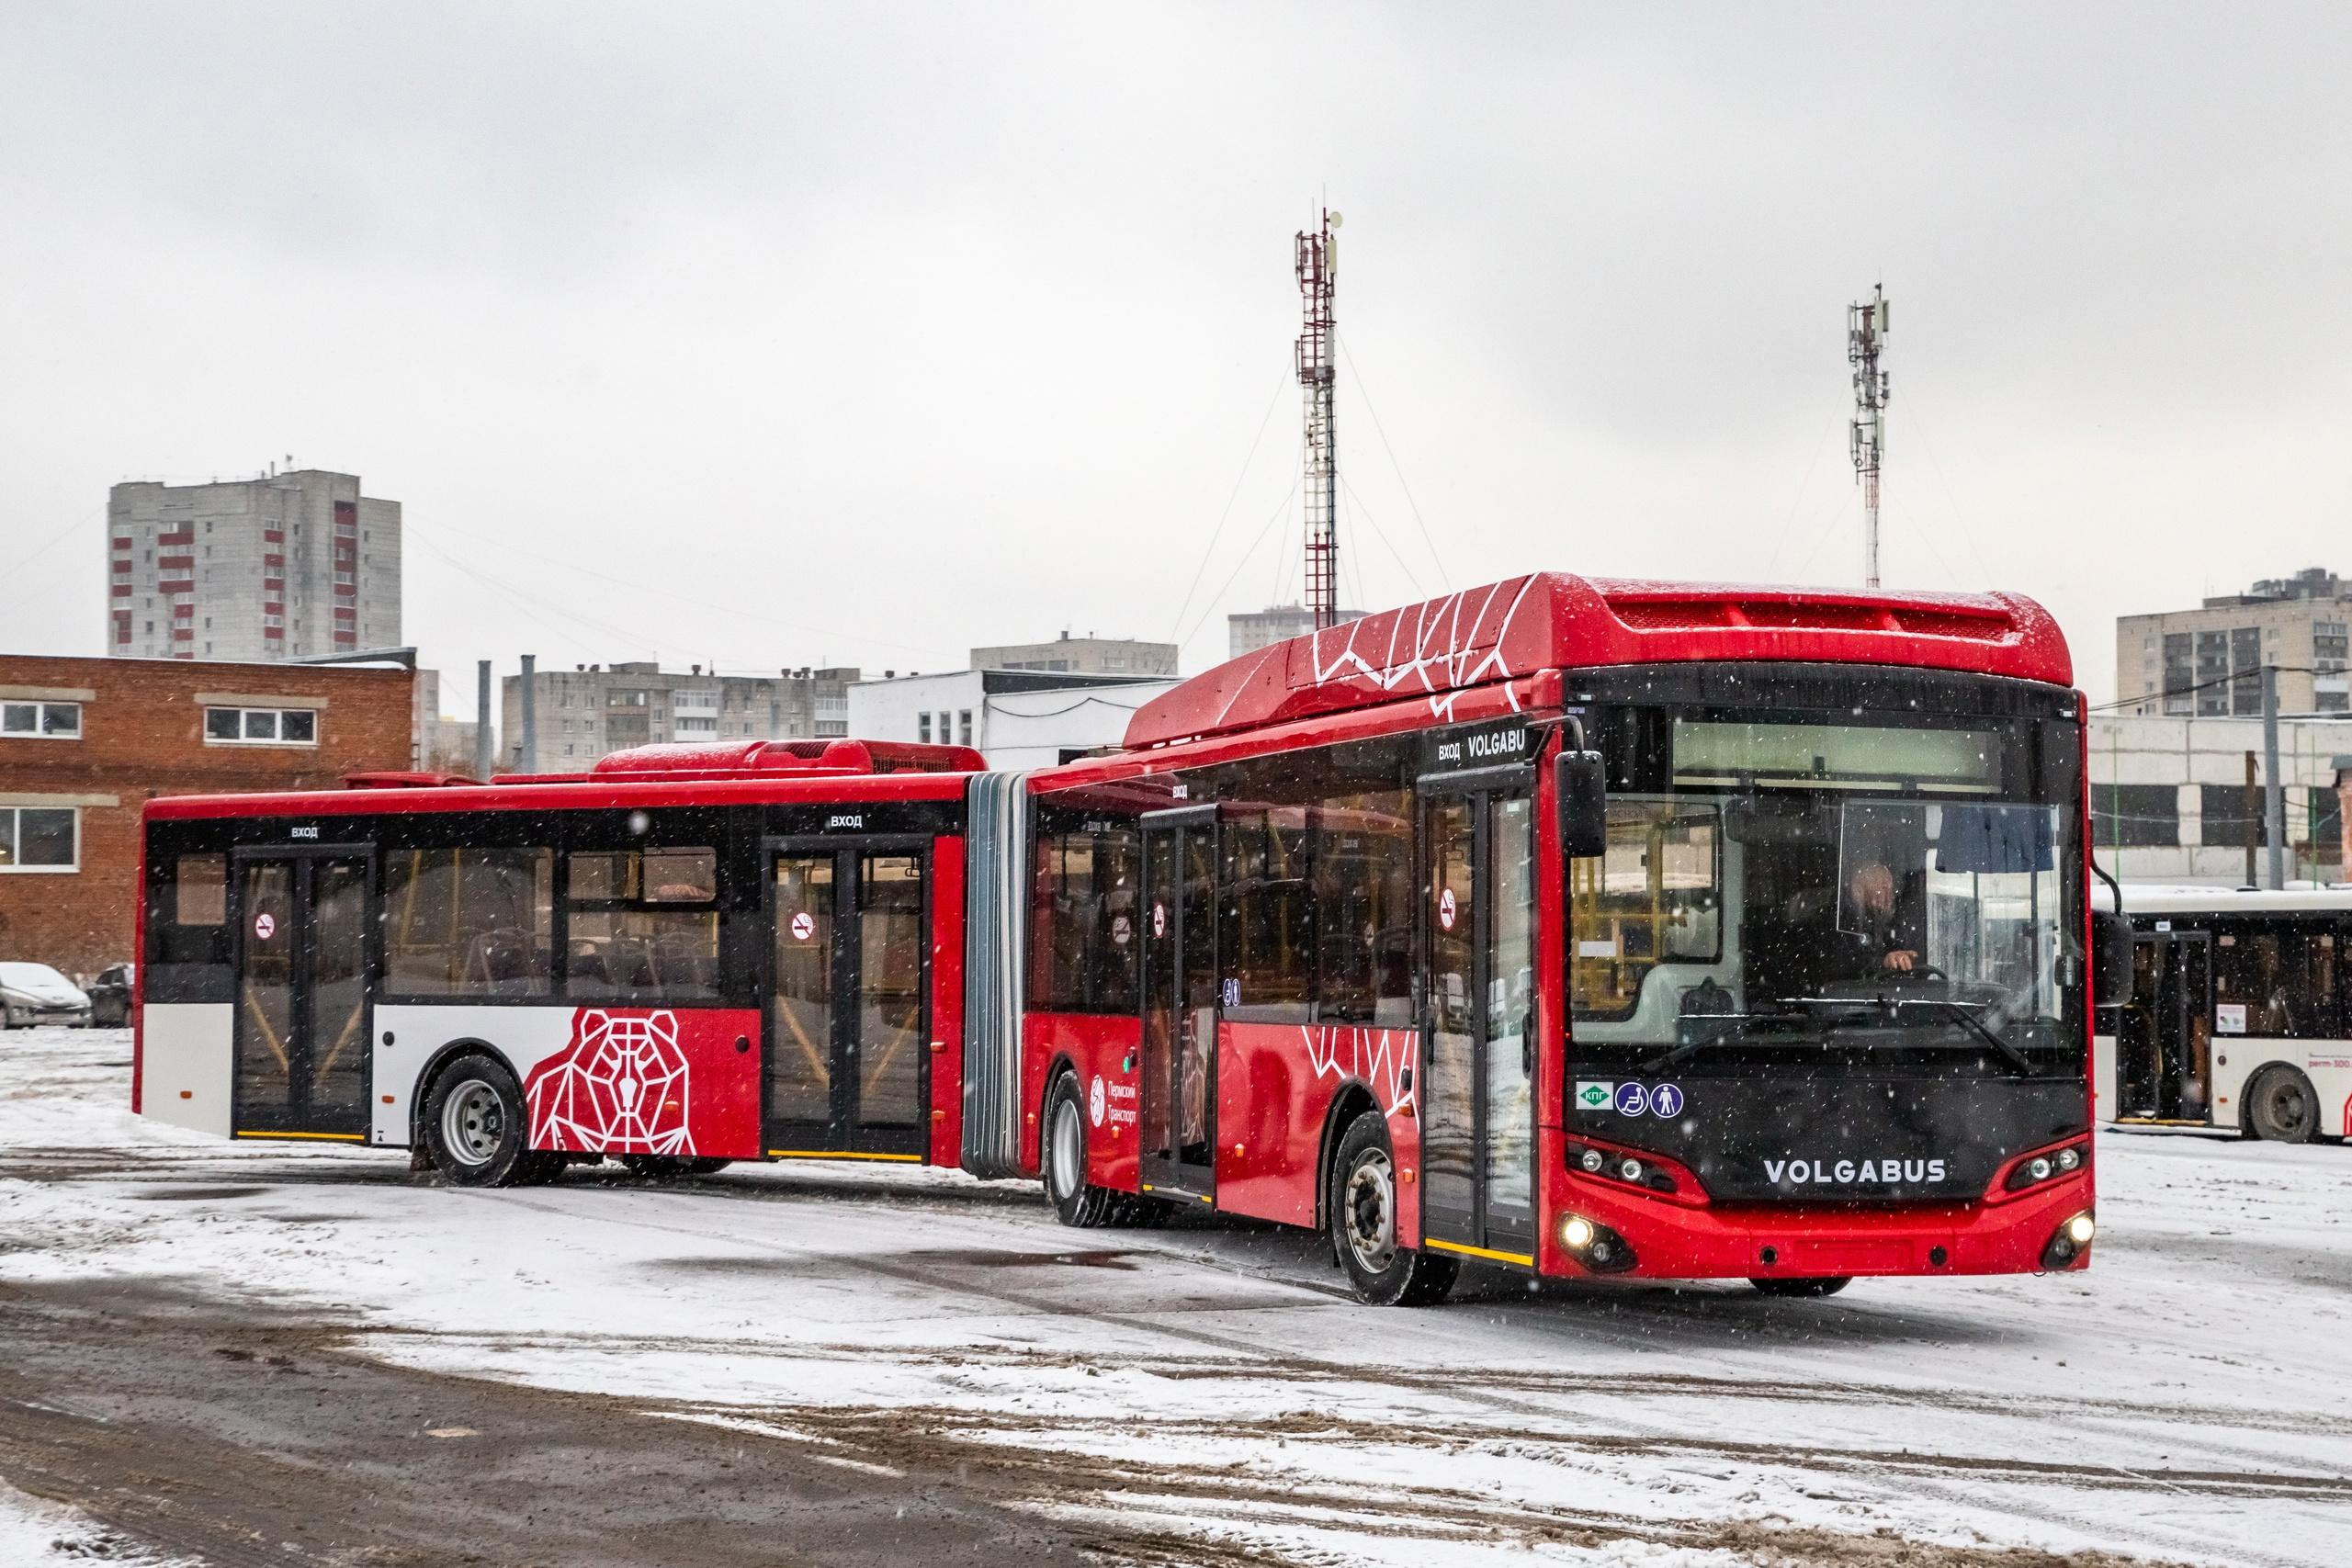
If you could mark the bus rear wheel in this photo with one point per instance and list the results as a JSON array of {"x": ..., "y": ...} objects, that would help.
[
  {"x": 1808, "y": 1285},
  {"x": 477, "y": 1128},
  {"x": 2281, "y": 1106},
  {"x": 1363, "y": 1204},
  {"x": 1079, "y": 1203}
]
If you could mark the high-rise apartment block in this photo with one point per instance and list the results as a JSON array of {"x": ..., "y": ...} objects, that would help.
[
  {"x": 2207, "y": 662},
  {"x": 582, "y": 714},
  {"x": 1068, "y": 655},
  {"x": 1254, "y": 629},
  {"x": 294, "y": 565}
]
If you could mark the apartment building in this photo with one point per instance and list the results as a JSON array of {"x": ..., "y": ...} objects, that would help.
[
  {"x": 1254, "y": 629},
  {"x": 590, "y": 710},
  {"x": 294, "y": 565},
  {"x": 1068, "y": 655},
  {"x": 2207, "y": 662}
]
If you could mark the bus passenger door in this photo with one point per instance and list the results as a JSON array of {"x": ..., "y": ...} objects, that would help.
[
  {"x": 2164, "y": 1034},
  {"x": 1477, "y": 1082},
  {"x": 848, "y": 1059},
  {"x": 302, "y": 994},
  {"x": 1176, "y": 1083}
]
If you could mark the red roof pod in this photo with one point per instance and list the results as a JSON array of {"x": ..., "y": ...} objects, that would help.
[
  {"x": 745, "y": 758},
  {"x": 1523, "y": 625},
  {"x": 404, "y": 781}
]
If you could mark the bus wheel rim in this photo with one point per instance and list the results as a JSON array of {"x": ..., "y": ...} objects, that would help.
[
  {"x": 1069, "y": 1151},
  {"x": 1368, "y": 1210},
  {"x": 473, "y": 1122}
]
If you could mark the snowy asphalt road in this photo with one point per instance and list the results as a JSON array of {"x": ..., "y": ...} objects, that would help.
[{"x": 829, "y": 1363}]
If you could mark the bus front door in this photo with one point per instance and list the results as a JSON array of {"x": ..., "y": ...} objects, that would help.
[
  {"x": 848, "y": 1059},
  {"x": 302, "y": 919},
  {"x": 1176, "y": 1088},
  {"x": 1477, "y": 1088},
  {"x": 2164, "y": 1035}
]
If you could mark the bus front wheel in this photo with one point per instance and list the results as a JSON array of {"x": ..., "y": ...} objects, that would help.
[
  {"x": 1363, "y": 1205},
  {"x": 477, "y": 1128},
  {"x": 2281, "y": 1106}
]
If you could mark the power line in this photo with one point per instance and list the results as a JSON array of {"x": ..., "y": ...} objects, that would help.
[
  {"x": 1235, "y": 494},
  {"x": 1364, "y": 390}
]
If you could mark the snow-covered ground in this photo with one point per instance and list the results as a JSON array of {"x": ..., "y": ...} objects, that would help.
[
  {"x": 38, "y": 1534},
  {"x": 2184, "y": 1400}
]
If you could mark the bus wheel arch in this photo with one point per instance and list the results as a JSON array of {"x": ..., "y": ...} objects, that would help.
[
  {"x": 2279, "y": 1105},
  {"x": 1063, "y": 1157},
  {"x": 474, "y": 1123},
  {"x": 1353, "y": 1098}
]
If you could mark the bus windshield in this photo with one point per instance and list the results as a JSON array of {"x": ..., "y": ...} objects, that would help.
[{"x": 1830, "y": 891}]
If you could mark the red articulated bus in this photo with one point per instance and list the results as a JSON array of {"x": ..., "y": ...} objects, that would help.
[
  {"x": 687, "y": 955},
  {"x": 1577, "y": 926},
  {"x": 1586, "y": 928}
]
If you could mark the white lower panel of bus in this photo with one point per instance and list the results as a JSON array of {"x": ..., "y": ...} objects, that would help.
[
  {"x": 2236, "y": 1058},
  {"x": 187, "y": 1064},
  {"x": 524, "y": 1036}
]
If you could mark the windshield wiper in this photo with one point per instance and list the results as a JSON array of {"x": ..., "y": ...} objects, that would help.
[
  {"x": 1977, "y": 1026},
  {"x": 1738, "y": 1029}
]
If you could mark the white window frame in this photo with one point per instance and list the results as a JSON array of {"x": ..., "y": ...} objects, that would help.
[
  {"x": 40, "y": 707},
  {"x": 245, "y": 723},
  {"x": 17, "y": 836}
]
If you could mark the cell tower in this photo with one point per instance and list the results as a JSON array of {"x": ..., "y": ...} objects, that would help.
[
  {"x": 1318, "y": 263},
  {"x": 1865, "y": 339}
]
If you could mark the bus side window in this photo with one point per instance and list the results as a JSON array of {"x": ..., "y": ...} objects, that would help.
[
  {"x": 1084, "y": 933},
  {"x": 643, "y": 925},
  {"x": 468, "y": 922},
  {"x": 1364, "y": 907},
  {"x": 187, "y": 930}
]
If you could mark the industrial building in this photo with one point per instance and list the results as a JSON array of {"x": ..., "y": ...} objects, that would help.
[
  {"x": 292, "y": 565},
  {"x": 1068, "y": 655},
  {"x": 1016, "y": 718},
  {"x": 2171, "y": 799}
]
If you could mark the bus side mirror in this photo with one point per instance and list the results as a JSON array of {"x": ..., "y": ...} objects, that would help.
[
  {"x": 1582, "y": 789},
  {"x": 2111, "y": 959}
]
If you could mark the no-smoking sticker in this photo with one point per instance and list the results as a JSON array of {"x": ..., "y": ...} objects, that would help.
[
  {"x": 265, "y": 925},
  {"x": 804, "y": 925},
  {"x": 1159, "y": 919},
  {"x": 1445, "y": 908}
]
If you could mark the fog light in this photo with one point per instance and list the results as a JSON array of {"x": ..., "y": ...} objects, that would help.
[
  {"x": 2070, "y": 1160},
  {"x": 1631, "y": 1170},
  {"x": 2070, "y": 1241},
  {"x": 1576, "y": 1233},
  {"x": 1593, "y": 1160},
  {"x": 2039, "y": 1168},
  {"x": 1599, "y": 1248}
]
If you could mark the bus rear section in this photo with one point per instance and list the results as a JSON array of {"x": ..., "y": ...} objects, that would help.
[
  {"x": 2236, "y": 1018},
  {"x": 689, "y": 957},
  {"x": 1782, "y": 977}
]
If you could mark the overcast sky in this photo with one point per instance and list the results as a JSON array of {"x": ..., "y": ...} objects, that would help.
[{"x": 763, "y": 335}]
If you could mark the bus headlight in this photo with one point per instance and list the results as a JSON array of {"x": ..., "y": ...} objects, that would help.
[
  {"x": 2046, "y": 1166},
  {"x": 1593, "y": 1160},
  {"x": 2071, "y": 1240},
  {"x": 2070, "y": 1158}
]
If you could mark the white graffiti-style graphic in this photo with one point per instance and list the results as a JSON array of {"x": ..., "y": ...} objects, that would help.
[
  {"x": 1440, "y": 647},
  {"x": 619, "y": 1087},
  {"x": 1383, "y": 1058}
]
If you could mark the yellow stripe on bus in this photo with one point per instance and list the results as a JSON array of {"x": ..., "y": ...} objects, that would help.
[
  {"x": 333, "y": 1138},
  {"x": 1523, "y": 1258},
  {"x": 836, "y": 1153}
]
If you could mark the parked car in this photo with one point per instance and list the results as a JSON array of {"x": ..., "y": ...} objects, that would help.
[
  {"x": 34, "y": 993},
  {"x": 111, "y": 997}
]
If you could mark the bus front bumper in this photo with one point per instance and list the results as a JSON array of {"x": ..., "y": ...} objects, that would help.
[{"x": 1672, "y": 1241}]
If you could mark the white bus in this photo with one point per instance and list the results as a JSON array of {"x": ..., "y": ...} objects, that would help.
[{"x": 2236, "y": 1018}]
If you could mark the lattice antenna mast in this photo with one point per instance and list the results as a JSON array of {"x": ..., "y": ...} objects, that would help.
[
  {"x": 1318, "y": 262},
  {"x": 1865, "y": 339}
]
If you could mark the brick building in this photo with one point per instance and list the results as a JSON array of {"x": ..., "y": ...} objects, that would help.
[{"x": 86, "y": 742}]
